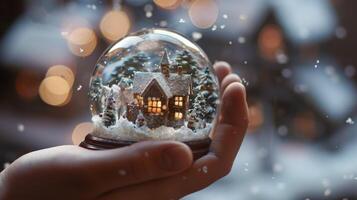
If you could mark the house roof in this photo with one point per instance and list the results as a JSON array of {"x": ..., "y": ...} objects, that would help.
[{"x": 173, "y": 85}]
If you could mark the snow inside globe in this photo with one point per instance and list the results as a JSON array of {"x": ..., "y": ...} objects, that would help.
[{"x": 154, "y": 84}]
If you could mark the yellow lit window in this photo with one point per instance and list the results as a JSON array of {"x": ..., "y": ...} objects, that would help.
[
  {"x": 154, "y": 105},
  {"x": 179, "y": 101},
  {"x": 178, "y": 115},
  {"x": 140, "y": 100}
]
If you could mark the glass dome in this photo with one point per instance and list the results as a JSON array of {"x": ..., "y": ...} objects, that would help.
[{"x": 154, "y": 84}]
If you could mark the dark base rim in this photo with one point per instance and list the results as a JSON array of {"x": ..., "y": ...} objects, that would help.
[{"x": 199, "y": 148}]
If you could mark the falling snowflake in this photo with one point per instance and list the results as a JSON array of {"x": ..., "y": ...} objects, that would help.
[
  {"x": 277, "y": 168},
  {"x": 223, "y": 26},
  {"x": 286, "y": 73},
  {"x": 281, "y": 58},
  {"x": 92, "y": 6},
  {"x": 230, "y": 42},
  {"x": 327, "y": 192},
  {"x": 205, "y": 169},
  {"x": 148, "y": 8},
  {"x": 245, "y": 82},
  {"x": 196, "y": 36},
  {"x": 20, "y": 127},
  {"x": 64, "y": 33},
  {"x": 350, "y": 121},
  {"x": 245, "y": 62},
  {"x": 340, "y": 32},
  {"x": 79, "y": 87},
  {"x": 81, "y": 50},
  {"x": 182, "y": 21},
  {"x": 317, "y": 62},
  {"x": 163, "y": 23},
  {"x": 241, "y": 40},
  {"x": 148, "y": 14},
  {"x": 214, "y": 28},
  {"x": 242, "y": 17},
  {"x": 225, "y": 16}
]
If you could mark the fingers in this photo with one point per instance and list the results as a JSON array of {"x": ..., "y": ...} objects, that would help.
[
  {"x": 233, "y": 123},
  {"x": 222, "y": 69},
  {"x": 135, "y": 164},
  {"x": 225, "y": 145},
  {"x": 227, "y": 80}
]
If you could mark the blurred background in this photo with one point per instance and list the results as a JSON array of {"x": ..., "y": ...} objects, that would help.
[{"x": 297, "y": 59}]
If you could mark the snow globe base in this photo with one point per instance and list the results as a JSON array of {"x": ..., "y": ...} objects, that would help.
[{"x": 199, "y": 148}]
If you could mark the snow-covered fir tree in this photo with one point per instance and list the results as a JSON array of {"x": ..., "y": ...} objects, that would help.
[
  {"x": 127, "y": 69},
  {"x": 109, "y": 116},
  {"x": 188, "y": 64},
  {"x": 95, "y": 89}
]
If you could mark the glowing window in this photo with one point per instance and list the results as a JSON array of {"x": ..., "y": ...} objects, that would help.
[
  {"x": 140, "y": 100},
  {"x": 154, "y": 105},
  {"x": 178, "y": 115},
  {"x": 179, "y": 101}
]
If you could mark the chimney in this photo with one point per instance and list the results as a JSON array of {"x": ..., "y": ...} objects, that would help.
[{"x": 165, "y": 65}]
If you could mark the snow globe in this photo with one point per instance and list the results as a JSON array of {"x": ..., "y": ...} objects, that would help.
[{"x": 154, "y": 84}]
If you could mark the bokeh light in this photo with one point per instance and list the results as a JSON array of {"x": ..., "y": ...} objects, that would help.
[
  {"x": 256, "y": 116},
  {"x": 168, "y": 4},
  {"x": 62, "y": 71},
  {"x": 115, "y": 25},
  {"x": 54, "y": 90},
  {"x": 203, "y": 13},
  {"x": 82, "y": 41},
  {"x": 80, "y": 132},
  {"x": 270, "y": 41}
]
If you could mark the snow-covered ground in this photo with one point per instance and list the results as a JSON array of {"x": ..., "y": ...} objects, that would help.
[{"x": 126, "y": 130}]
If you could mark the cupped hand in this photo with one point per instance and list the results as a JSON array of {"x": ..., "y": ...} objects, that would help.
[{"x": 146, "y": 170}]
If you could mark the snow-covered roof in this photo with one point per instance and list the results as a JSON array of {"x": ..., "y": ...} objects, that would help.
[{"x": 175, "y": 84}]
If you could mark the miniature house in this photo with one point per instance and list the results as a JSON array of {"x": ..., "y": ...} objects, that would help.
[{"x": 162, "y": 97}]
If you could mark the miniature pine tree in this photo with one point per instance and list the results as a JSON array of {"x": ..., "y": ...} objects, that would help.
[
  {"x": 187, "y": 62},
  {"x": 206, "y": 82},
  {"x": 109, "y": 114},
  {"x": 95, "y": 90},
  {"x": 127, "y": 69}
]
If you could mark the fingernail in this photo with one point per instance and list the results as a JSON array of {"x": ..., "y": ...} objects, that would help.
[{"x": 176, "y": 158}]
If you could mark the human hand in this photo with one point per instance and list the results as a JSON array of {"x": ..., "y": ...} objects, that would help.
[{"x": 146, "y": 170}]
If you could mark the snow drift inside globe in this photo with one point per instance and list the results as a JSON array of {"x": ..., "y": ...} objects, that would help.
[{"x": 154, "y": 84}]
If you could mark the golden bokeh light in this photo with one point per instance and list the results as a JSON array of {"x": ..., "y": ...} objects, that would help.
[
  {"x": 82, "y": 41},
  {"x": 203, "y": 13},
  {"x": 115, "y": 25},
  {"x": 256, "y": 116},
  {"x": 80, "y": 132},
  {"x": 168, "y": 4},
  {"x": 54, "y": 90},
  {"x": 270, "y": 41},
  {"x": 62, "y": 71}
]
